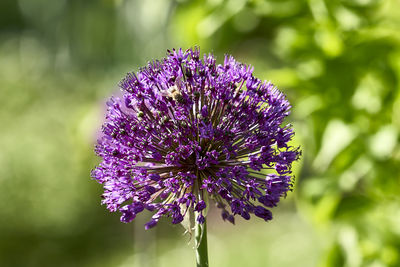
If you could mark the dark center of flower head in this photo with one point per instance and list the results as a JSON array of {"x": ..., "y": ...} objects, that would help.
[{"x": 188, "y": 130}]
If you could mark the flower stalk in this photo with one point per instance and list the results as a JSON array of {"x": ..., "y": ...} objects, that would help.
[{"x": 201, "y": 244}]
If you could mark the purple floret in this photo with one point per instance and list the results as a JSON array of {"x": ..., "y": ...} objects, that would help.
[{"x": 187, "y": 128}]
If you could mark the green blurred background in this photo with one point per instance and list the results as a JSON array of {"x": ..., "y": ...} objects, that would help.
[{"x": 338, "y": 62}]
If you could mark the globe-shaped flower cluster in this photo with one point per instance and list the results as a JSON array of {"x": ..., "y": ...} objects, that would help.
[{"x": 188, "y": 132}]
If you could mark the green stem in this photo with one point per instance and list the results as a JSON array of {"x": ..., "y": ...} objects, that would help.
[{"x": 201, "y": 244}]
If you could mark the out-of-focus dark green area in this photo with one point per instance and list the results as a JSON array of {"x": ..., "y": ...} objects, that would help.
[{"x": 338, "y": 62}]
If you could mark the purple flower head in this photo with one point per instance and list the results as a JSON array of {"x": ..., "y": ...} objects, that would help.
[{"x": 187, "y": 130}]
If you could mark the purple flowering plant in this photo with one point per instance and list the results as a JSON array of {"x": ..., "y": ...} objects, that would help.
[{"x": 188, "y": 132}]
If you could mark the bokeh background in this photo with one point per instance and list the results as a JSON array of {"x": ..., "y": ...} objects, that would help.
[{"x": 338, "y": 62}]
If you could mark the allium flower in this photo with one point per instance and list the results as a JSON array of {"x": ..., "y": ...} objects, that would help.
[{"x": 187, "y": 130}]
